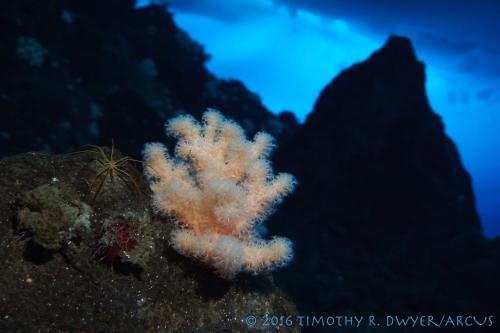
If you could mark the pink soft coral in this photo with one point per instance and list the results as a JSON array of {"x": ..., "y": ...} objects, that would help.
[{"x": 218, "y": 187}]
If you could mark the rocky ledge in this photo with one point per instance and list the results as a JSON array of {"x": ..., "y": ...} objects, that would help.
[{"x": 84, "y": 252}]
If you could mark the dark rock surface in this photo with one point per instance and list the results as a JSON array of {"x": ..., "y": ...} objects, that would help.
[
  {"x": 75, "y": 73},
  {"x": 52, "y": 254},
  {"x": 384, "y": 217}
]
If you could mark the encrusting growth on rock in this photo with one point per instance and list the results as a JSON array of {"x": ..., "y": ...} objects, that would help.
[{"x": 218, "y": 187}]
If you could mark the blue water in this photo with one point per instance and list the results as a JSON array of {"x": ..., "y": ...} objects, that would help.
[{"x": 287, "y": 59}]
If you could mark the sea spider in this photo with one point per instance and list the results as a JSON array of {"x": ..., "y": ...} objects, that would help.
[{"x": 109, "y": 167}]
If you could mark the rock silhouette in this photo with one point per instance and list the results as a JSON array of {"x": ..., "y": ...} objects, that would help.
[{"x": 384, "y": 215}]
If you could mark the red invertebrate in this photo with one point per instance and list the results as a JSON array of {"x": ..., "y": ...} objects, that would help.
[{"x": 115, "y": 240}]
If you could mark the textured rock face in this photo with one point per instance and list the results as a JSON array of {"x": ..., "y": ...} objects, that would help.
[
  {"x": 383, "y": 199},
  {"x": 53, "y": 253},
  {"x": 89, "y": 72}
]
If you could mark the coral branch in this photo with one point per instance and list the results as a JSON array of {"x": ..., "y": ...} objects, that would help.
[{"x": 218, "y": 187}]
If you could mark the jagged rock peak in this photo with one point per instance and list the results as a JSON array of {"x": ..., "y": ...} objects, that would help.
[
  {"x": 397, "y": 48},
  {"x": 390, "y": 81}
]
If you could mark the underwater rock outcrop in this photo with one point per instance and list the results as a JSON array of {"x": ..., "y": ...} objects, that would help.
[
  {"x": 70, "y": 263},
  {"x": 384, "y": 218},
  {"x": 89, "y": 72},
  {"x": 389, "y": 162}
]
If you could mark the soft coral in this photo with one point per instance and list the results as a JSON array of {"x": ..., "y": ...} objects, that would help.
[{"x": 219, "y": 186}]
